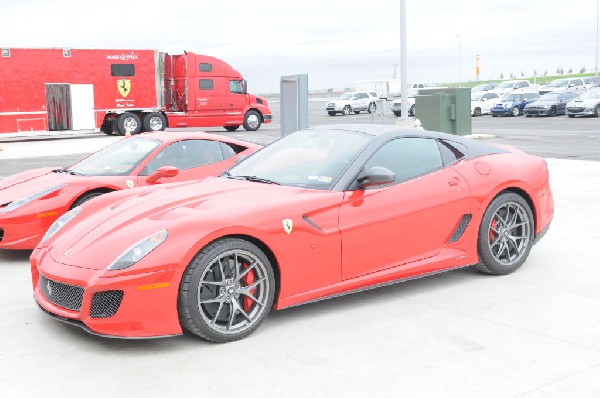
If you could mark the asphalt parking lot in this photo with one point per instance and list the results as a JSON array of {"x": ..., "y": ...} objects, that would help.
[{"x": 534, "y": 333}]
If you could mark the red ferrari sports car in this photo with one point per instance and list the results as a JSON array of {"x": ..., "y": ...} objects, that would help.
[
  {"x": 31, "y": 201},
  {"x": 319, "y": 213}
]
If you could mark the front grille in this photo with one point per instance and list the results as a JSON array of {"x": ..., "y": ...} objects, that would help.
[
  {"x": 575, "y": 110},
  {"x": 105, "y": 304},
  {"x": 61, "y": 294}
]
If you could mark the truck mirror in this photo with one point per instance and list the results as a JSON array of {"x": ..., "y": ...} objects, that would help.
[{"x": 245, "y": 86}]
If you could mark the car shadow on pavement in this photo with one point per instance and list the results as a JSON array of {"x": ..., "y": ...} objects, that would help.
[{"x": 14, "y": 255}]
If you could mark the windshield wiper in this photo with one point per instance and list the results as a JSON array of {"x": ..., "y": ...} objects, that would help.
[
  {"x": 67, "y": 171},
  {"x": 253, "y": 179}
]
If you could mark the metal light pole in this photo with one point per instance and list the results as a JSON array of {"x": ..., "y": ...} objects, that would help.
[
  {"x": 403, "y": 74},
  {"x": 596, "y": 66},
  {"x": 458, "y": 59}
]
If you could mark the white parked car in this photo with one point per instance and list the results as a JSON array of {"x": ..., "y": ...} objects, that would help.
[
  {"x": 482, "y": 102},
  {"x": 586, "y": 105},
  {"x": 560, "y": 85},
  {"x": 396, "y": 105},
  {"x": 510, "y": 85},
  {"x": 355, "y": 101}
]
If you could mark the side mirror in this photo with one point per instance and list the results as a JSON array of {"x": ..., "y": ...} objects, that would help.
[
  {"x": 240, "y": 159},
  {"x": 165, "y": 171},
  {"x": 377, "y": 175}
]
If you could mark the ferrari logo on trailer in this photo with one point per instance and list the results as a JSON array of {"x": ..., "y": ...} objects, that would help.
[
  {"x": 287, "y": 225},
  {"x": 124, "y": 86}
]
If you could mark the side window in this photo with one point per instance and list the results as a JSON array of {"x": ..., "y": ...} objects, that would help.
[
  {"x": 186, "y": 155},
  {"x": 203, "y": 67},
  {"x": 451, "y": 151},
  {"x": 206, "y": 84},
  {"x": 236, "y": 87},
  {"x": 408, "y": 158},
  {"x": 578, "y": 82}
]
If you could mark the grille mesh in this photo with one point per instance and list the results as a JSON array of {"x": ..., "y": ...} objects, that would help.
[
  {"x": 105, "y": 304},
  {"x": 460, "y": 229},
  {"x": 61, "y": 294}
]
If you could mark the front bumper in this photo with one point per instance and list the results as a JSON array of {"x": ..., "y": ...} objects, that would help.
[
  {"x": 24, "y": 232},
  {"x": 580, "y": 110},
  {"x": 500, "y": 111},
  {"x": 536, "y": 112},
  {"x": 134, "y": 306}
]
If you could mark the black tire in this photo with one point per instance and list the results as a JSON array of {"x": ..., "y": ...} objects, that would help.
[
  {"x": 506, "y": 235},
  {"x": 528, "y": 115},
  {"x": 252, "y": 121},
  {"x": 372, "y": 107},
  {"x": 571, "y": 116},
  {"x": 85, "y": 197},
  {"x": 515, "y": 111},
  {"x": 552, "y": 111},
  {"x": 357, "y": 112},
  {"x": 596, "y": 111},
  {"x": 154, "y": 121},
  {"x": 477, "y": 112},
  {"x": 331, "y": 113},
  {"x": 347, "y": 110},
  {"x": 494, "y": 115},
  {"x": 397, "y": 114},
  {"x": 212, "y": 289},
  {"x": 412, "y": 111},
  {"x": 128, "y": 121},
  {"x": 231, "y": 128}
]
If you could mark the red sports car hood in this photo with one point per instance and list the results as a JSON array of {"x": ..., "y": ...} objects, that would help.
[
  {"x": 111, "y": 228},
  {"x": 29, "y": 182}
]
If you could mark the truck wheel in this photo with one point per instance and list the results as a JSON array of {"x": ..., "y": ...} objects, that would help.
[
  {"x": 154, "y": 122},
  {"x": 347, "y": 110},
  {"x": 231, "y": 128},
  {"x": 106, "y": 127},
  {"x": 128, "y": 122},
  {"x": 331, "y": 113},
  {"x": 252, "y": 121}
]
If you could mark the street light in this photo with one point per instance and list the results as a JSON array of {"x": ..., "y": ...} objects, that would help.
[
  {"x": 596, "y": 66},
  {"x": 459, "y": 58}
]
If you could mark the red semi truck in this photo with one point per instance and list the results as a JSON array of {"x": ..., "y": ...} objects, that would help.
[{"x": 120, "y": 91}]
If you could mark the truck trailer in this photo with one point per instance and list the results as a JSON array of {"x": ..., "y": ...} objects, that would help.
[{"x": 121, "y": 91}]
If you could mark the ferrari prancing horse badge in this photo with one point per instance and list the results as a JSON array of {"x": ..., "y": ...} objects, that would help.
[{"x": 287, "y": 225}]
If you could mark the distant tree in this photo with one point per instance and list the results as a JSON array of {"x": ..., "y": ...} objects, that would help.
[
  {"x": 501, "y": 75},
  {"x": 560, "y": 70},
  {"x": 546, "y": 72},
  {"x": 570, "y": 70},
  {"x": 535, "y": 72},
  {"x": 522, "y": 74},
  {"x": 512, "y": 75},
  {"x": 582, "y": 69}
]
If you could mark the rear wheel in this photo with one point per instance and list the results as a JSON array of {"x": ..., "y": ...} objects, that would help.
[
  {"x": 412, "y": 111},
  {"x": 347, "y": 110},
  {"x": 552, "y": 111},
  {"x": 372, "y": 107},
  {"x": 231, "y": 128},
  {"x": 515, "y": 111},
  {"x": 128, "y": 122},
  {"x": 596, "y": 111},
  {"x": 505, "y": 235},
  {"x": 331, "y": 113},
  {"x": 154, "y": 122},
  {"x": 252, "y": 121},
  {"x": 398, "y": 114},
  {"x": 226, "y": 291}
]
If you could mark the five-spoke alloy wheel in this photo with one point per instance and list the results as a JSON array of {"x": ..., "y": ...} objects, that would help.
[{"x": 227, "y": 291}]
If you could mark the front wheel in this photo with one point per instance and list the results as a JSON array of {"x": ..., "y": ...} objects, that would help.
[
  {"x": 252, "y": 121},
  {"x": 231, "y": 128},
  {"x": 552, "y": 112},
  {"x": 226, "y": 291},
  {"x": 154, "y": 122},
  {"x": 331, "y": 113},
  {"x": 596, "y": 111},
  {"x": 372, "y": 107},
  {"x": 505, "y": 235},
  {"x": 477, "y": 112},
  {"x": 515, "y": 111},
  {"x": 346, "y": 111},
  {"x": 412, "y": 111}
]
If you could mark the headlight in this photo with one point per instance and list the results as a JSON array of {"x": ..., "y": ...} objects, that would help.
[
  {"x": 61, "y": 222},
  {"x": 138, "y": 251},
  {"x": 22, "y": 202}
]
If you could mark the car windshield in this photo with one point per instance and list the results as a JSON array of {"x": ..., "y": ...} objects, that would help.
[
  {"x": 512, "y": 97},
  {"x": 117, "y": 159},
  {"x": 558, "y": 83},
  {"x": 506, "y": 85},
  {"x": 550, "y": 97},
  {"x": 345, "y": 96},
  {"x": 312, "y": 159}
]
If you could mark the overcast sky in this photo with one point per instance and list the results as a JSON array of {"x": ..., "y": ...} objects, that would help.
[{"x": 335, "y": 42}]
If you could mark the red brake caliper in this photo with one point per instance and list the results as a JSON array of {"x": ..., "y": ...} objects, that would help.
[
  {"x": 492, "y": 227},
  {"x": 248, "y": 279}
]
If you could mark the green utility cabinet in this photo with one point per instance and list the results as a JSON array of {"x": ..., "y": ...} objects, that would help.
[{"x": 445, "y": 109}]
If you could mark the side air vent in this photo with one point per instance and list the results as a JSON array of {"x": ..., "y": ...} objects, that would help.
[{"x": 460, "y": 229}]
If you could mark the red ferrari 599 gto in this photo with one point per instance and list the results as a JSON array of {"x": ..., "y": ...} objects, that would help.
[{"x": 321, "y": 212}]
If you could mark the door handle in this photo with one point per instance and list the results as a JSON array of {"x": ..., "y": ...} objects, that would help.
[{"x": 453, "y": 182}]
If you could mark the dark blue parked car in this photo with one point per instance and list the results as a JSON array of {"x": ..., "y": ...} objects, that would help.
[{"x": 512, "y": 104}]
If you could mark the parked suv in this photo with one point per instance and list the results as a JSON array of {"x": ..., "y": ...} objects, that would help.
[
  {"x": 560, "y": 85},
  {"x": 355, "y": 101},
  {"x": 509, "y": 86},
  {"x": 512, "y": 104}
]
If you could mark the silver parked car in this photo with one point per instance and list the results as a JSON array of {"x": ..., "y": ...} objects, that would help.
[{"x": 586, "y": 105}]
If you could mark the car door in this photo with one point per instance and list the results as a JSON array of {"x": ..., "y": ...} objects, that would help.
[
  {"x": 406, "y": 221},
  {"x": 195, "y": 159}
]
